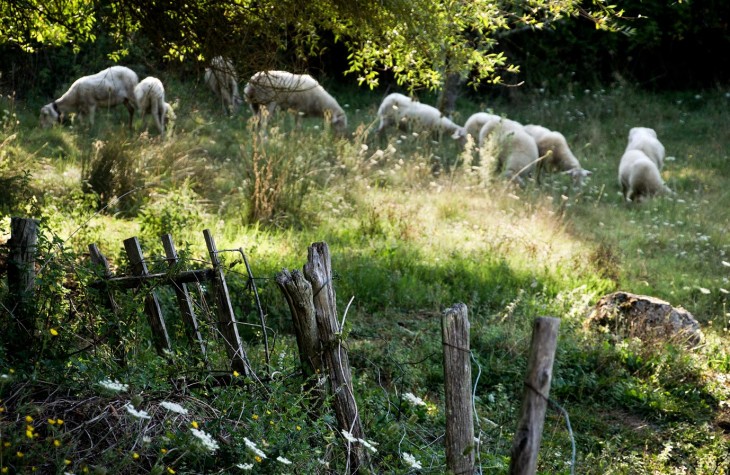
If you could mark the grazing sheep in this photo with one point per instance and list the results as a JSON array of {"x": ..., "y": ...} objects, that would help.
[
  {"x": 557, "y": 155},
  {"x": 150, "y": 95},
  {"x": 639, "y": 177},
  {"x": 474, "y": 124},
  {"x": 645, "y": 139},
  {"x": 221, "y": 77},
  {"x": 399, "y": 110},
  {"x": 299, "y": 92},
  {"x": 517, "y": 151},
  {"x": 107, "y": 88}
]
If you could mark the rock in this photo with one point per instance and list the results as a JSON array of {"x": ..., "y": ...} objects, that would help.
[{"x": 631, "y": 315}]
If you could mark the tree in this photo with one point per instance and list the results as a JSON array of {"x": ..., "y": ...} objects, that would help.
[{"x": 419, "y": 42}]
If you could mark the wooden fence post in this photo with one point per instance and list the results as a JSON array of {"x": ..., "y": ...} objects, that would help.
[
  {"x": 318, "y": 271},
  {"x": 22, "y": 248},
  {"x": 527, "y": 439},
  {"x": 458, "y": 391},
  {"x": 115, "y": 340},
  {"x": 226, "y": 318},
  {"x": 151, "y": 305},
  {"x": 184, "y": 302},
  {"x": 298, "y": 294}
]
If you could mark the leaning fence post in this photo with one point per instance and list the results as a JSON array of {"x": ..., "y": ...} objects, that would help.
[
  {"x": 526, "y": 443},
  {"x": 184, "y": 302},
  {"x": 318, "y": 271},
  {"x": 22, "y": 248},
  {"x": 115, "y": 340},
  {"x": 458, "y": 391},
  {"x": 226, "y": 318},
  {"x": 151, "y": 305}
]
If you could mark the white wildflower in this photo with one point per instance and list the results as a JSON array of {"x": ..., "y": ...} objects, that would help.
[
  {"x": 415, "y": 400},
  {"x": 113, "y": 385},
  {"x": 147, "y": 439},
  {"x": 206, "y": 439},
  {"x": 283, "y": 460},
  {"x": 348, "y": 436},
  {"x": 138, "y": 414},
  {"x": 726, "y": 263},
  {"x": 704, "y": 290},
  {"x": 244, "y": 466},
  {"x": 254, "y": 448},
  {"x": 173, "y": 407},
  {"x": 411, "y": 460}
]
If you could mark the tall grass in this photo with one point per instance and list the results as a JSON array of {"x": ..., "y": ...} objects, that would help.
[{"x": 414, "y": 225}]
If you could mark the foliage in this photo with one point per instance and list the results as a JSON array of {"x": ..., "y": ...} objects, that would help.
[{"x": 449, "y": 37}]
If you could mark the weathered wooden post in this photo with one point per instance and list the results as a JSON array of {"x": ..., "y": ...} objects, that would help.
[
  {"x": 184, "y": 302},
  {"x": 458, "y": 391},
  {"x": 227, "y": 323},
  {"x": 114, "y": 338},
  {"x": 298, "y": 294},
  {"x": 152, "y": 308},
  {"x": 527, "y": 439},
  {"x": 22, "y": 248},
  {"x": 318, "y": 271}
]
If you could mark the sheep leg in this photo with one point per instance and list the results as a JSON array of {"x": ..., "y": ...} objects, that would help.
[
  {"x": 91, "y": 111},
  {"x": 130, "y": 108}
]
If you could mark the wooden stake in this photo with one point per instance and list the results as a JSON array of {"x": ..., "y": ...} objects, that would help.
[
  {"x": 114, "y": 338},
  {"x": 526, "y": 444},
  {"x": 22, "y": 248},
  {"x": 458, "y": 391}
]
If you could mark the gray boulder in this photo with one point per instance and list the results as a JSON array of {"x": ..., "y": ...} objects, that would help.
[{"x": 630, "y": 315}]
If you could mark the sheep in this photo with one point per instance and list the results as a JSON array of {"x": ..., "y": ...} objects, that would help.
[
  {"x": 299, "y": 92},
  {"x": 399, "y": 110},
  {"x": 150, "y": 96},
  {"x": 517, "y": 151},
  {"x": 107, "y": 88},
  {"x": 555, "y": 153},
  {"x": 221, "y": 77},
  {"x": 639, "y": 177},
  {"x": 474, "y": 124},
  {"x": 645, "y": 139}
]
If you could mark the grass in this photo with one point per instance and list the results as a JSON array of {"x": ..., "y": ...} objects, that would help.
[{"x": 411, "y": 233}]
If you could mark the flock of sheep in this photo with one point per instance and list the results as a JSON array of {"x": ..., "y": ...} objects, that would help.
[{"x": 520, "y": 149}]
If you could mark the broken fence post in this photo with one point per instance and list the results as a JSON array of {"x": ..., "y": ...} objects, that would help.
[
  {"x": 22, "y": 247},
  {"x": 114, "y": 338}
]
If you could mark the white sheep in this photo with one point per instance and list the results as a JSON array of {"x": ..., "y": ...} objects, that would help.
[
  {"x": 400, "y": 110},
  {"x": 299, "y": 92},
  {"x": 107, "y": 88},
  {"x": 639, "y": 177},
  {"x": 150, "y": 96},
  {"x": 474, "y": 124},
  {"x": 555, "y": 153},
  {"x": 222, "y": 79},
  {"x": 517, "y": 152},
  {"x": 645, "y": 139}
]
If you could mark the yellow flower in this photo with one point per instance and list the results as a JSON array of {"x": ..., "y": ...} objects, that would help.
[
  {"x": 299, "y": 427},
  {"x": 258, "y": 459},
  {"x": 271, "y": 423},
  {"x": 57, "y": 442},
  {"x": 163, "y": 451},
  {"x": 255, "y": 417},
  {"x": 170, "y": 470},
  {"x": 67, "y": 462},
  {"x": 194, "y": 424},
  {"x": 268, "y": 412},
  {"x": 11, "y": 371},
  {"x": 135, "y": 455},
  {"x": 6, "y": 444},
  {"x": 2, "y": 409},
  {"x": 59, "y": 421},
  {"x": 4, "y": 470},
  {"x": 29, "y": 434},
  {"x": 85, "y": 469},
  {"x": 19, "y": 454},
  {"x": 54, "y": 332},
  {"x": 235, "y": 374},
  {"x": 28, "y": 419},
  {"x": 52, "y": 421}
]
